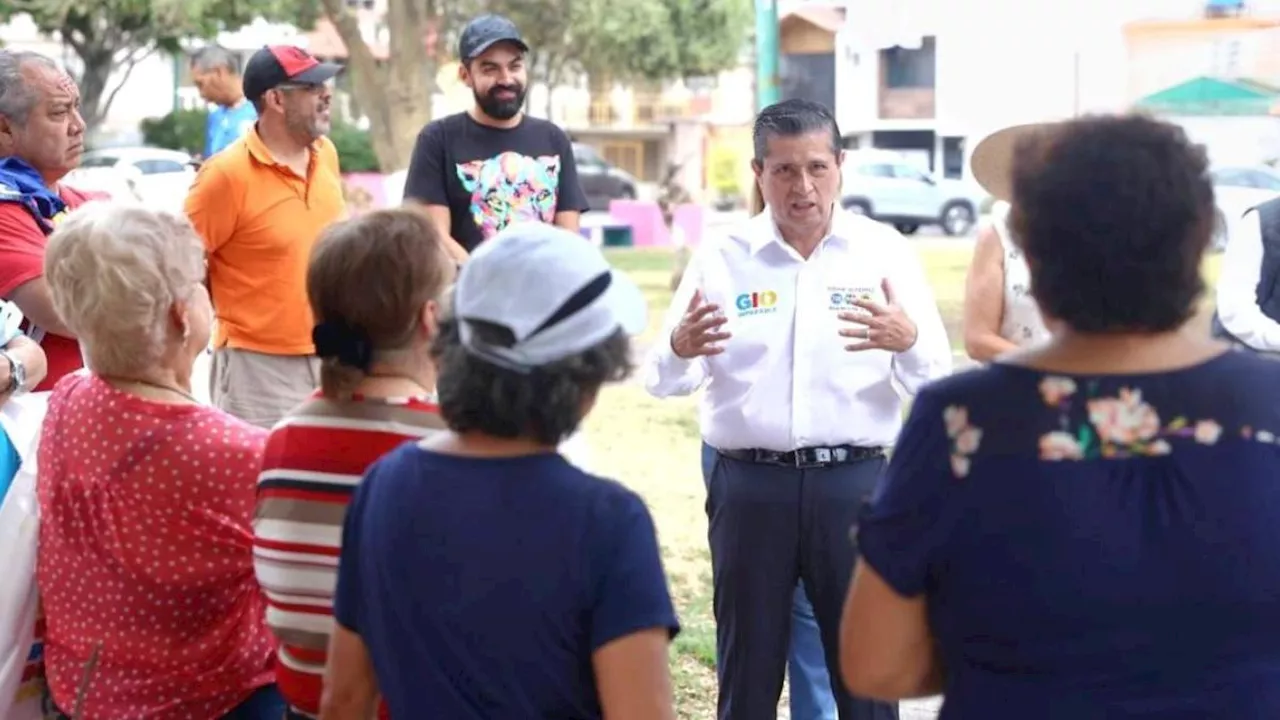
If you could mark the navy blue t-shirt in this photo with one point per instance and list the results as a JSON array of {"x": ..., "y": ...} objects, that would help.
[
  {"x": 482, "y": 586},
  {"x": 1093, "y": 546}
]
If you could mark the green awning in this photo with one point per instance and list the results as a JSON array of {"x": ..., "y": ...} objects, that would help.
[{"x": 1213, "y": 96}]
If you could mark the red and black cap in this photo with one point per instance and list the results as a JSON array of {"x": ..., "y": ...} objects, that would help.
[
  {"x": 486, "y": 31},
  {"x": 275, "y": 65}
]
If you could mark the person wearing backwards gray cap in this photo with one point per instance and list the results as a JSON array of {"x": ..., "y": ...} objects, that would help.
[
  {"x": 536, "y": 589},
  {"x": 476, "y": 172}
]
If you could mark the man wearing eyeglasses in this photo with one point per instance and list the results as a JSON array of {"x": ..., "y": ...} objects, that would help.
[{"x": 260, "y": 205}]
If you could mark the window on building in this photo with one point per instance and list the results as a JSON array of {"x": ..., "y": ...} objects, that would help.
[{"x": 907, "y": 68}]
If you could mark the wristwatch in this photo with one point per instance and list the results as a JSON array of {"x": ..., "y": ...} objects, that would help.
[{"x": 17, "y": 373}]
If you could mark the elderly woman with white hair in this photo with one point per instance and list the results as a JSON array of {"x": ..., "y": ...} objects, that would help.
[{"x": 146, "y": 496}]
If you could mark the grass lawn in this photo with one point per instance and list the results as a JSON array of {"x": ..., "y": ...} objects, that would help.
[{"x": 653, "y": 447}]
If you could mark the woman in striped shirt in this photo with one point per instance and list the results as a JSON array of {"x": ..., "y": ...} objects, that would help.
[{"x": 373, "y": 283}]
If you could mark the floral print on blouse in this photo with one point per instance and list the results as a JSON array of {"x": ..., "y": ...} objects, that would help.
[
  {"x": 1094, "y": 423},
  {"x": 1092, "y": 545}
]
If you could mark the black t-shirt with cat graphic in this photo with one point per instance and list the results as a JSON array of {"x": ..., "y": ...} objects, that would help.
[{"x": 491, "y": 177}]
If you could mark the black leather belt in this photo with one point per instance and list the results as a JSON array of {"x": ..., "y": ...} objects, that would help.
[{"x": 812, "y": 457}]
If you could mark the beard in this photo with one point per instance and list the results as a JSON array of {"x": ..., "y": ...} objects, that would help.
[
  {"x": 301, "y": 125},
  {"x": 501, "y": 108}
]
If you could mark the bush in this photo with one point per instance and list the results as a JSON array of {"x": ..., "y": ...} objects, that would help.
[
  {"x": 179, "y": 130},
  {"x": 355, "y": 149},
  {"x": 184, "y": 130}
]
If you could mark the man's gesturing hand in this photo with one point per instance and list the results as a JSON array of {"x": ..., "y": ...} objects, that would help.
[
  {"x": 699, "y": 330},
  {"x": 882, "y": 327}
]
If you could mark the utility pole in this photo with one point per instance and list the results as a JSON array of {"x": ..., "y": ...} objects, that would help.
[
  {"x": 1075, "y": 82},
  {"x": 766, "y": 53}
]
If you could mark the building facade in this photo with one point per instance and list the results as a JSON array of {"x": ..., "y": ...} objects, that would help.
[
  {"x": 928, "y": 78},
  {"x": 1214, "y": 69}
]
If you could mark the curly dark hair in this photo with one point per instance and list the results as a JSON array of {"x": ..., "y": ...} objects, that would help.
[
  {"x": 546, "y": 405},
  {"x": 1114, "y": 214}
]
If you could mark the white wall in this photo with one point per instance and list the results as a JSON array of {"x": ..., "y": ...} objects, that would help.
[
  {"x": 999, "y": 61},
  {"x": 857, "y": 81},
  {"x": 1234, "y": 140}
]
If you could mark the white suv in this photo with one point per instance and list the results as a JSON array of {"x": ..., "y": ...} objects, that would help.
[{"x": 883, "y": 185}]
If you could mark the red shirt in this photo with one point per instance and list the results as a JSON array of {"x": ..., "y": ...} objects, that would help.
[
  {"x": 146, "y": 553},
  {"x": 22, "y": 260}
]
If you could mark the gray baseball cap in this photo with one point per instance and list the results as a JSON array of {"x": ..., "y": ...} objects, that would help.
[
  {"x": 552, "y": 289},
  {"x": 486, "y": 31}
]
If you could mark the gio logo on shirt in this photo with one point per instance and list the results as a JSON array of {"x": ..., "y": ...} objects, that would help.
[{"x": 756, "y": 303}]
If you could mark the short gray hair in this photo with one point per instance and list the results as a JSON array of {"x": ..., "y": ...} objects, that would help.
[
  {"x": 212, "y": 57},
  {"x": 17, "y": 98},
  {"x": 114, "y": 272}
]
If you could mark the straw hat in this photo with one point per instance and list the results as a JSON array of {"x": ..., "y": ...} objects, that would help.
[{"x": 992, "y": 160}]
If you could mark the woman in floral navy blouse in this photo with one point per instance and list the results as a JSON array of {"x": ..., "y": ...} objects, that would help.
[{"x": 1089, "y": 529}]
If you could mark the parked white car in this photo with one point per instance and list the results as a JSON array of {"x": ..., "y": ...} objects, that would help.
[
  {"x": 884, "y": 185},
  {"x": 155, "y": 176}
]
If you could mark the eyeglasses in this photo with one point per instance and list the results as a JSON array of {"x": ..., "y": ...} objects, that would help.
[{"x": 312, "y": 87}]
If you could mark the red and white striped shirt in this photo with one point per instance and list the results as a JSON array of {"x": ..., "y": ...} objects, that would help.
[{"x": 314, "y": 460}]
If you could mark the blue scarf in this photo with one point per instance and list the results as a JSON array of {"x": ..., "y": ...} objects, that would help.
[{"x": 20, "y": 183}]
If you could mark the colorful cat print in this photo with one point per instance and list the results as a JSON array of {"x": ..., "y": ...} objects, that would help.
[{"x": 511, "y": 187}]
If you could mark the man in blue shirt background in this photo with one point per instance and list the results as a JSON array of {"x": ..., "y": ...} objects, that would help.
[{"x": 215, "y": 71}]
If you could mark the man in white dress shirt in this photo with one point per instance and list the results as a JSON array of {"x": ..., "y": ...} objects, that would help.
[
  {"x": 807, "y": 325},
  {"x": 1248, "y": 291}
]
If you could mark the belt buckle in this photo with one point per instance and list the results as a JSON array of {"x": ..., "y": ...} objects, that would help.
[{"x": 821, "y": 457}]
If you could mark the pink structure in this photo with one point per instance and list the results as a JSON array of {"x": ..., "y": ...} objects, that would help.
[
  {"x": 691, "y": 219},
  {"x": 364, "y": 192},
  {"x": 368, "y": 191},
  {"x": 645, "y": 220}
]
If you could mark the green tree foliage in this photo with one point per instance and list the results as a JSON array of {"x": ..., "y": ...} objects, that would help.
[
  {"x": 355, "y": 148},
  {"x": 642, "y": 40},
  {"x": 661, "y": 39},
  {"x": 179, "y": 130},
  {"x": 113, "y": 36}
]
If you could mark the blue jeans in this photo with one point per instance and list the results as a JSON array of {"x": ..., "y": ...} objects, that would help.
[{"x": 811, "y": 697}]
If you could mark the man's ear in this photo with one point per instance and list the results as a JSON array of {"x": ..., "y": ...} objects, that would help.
[{"x": 7, "y": 132}]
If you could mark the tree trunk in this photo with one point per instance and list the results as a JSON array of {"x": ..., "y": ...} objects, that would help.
[
  {"x": 102, "y": 52},
  {"x": 396, "y": 94},
  {"x": 94, "y": 76},
  {"x": 552, "y": 73}
]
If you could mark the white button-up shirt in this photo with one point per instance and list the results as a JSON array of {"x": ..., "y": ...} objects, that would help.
[
  {"x": 1238, "y": 309},
  {"x": 785, "y": 380}
]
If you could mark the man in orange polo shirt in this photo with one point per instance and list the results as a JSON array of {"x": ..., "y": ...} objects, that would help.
[{"x": 260, "y": 205}]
